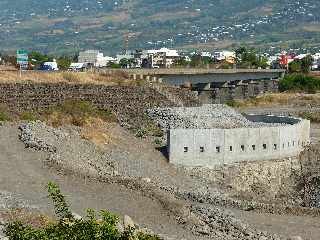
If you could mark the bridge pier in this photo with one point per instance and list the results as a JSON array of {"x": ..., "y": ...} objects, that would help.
[{"x": 213, "y": 84}]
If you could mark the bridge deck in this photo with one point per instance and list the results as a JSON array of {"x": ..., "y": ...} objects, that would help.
[{"x": 193, "y": 71}]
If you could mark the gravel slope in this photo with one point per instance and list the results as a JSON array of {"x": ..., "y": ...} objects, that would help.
[{"x": 22, "y": 171}]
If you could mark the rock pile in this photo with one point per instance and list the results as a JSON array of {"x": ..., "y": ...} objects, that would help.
[
  {"x": 223, "y": 226},
  {"x": 206, "y": 117},
  {"x": 65, "y": 148},
  {"x": 31, "y": 141}
]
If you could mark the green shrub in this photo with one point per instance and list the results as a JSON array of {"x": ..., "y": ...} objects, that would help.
[
  {"x": 312, "y": 116},
  {"x": 300, "y": 82},
  {"x": 158, "y": 141},
  {"x": 88, "y": 228},
  {"x": 28, "y": 116},
  {"x": 141, "y": 133},
  {"x": 233, "y": 103},
  {"x": 4, "y": 116},
  {"x": 61, "y": 207}
]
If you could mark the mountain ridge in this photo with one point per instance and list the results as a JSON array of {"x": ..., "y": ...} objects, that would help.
[{"x": 66, "y": 26}]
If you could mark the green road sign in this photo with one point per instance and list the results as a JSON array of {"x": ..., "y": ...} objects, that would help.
[{"x": 22, "y": 57}]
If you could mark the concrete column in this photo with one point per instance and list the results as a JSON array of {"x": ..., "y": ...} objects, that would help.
[
  {"x": 148, "y": 78},
  {"x": 204, "y": 86},
  {"x": 154, "y": 79},
  {"x": 207, "y": 86},
  {"x": 134, "y": 76},
  {"x": 266, "y": 86},
  {"x": 141, "y": 76}
]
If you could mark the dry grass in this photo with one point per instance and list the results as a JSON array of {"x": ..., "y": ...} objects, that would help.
[
  {"x": 95, "y": 131},
  {"x": 7, "y": 68},
  {"x": 76, "y": 112},
  {"x": 25, "y": 216},
  {"x": 279, "y": 99},
  {"x": 115, "y": 78}
]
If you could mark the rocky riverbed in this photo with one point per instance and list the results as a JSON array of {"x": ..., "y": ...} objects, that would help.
[{"x": 196, "y": 205}]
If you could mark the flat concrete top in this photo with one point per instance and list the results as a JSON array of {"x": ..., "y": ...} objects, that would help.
[{"x": 192, "y": 71}]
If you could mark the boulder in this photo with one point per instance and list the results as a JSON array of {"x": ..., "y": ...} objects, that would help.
[{"x": 128, "y": 222}]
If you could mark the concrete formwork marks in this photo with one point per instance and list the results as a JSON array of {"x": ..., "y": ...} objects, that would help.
[{"x": 211, "y": 147}]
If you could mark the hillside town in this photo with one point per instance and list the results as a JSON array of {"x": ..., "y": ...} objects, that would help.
[{"x": 170, "y": 58}]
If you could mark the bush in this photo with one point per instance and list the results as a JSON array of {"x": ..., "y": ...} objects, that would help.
[
  {"x": 28, "y": 116},
  {"x": 231, "y": 103},
  {"x": 158, "y": 141},
  {"x": 4, "y": 117},
  {"x": 78, "y": 112},
  {"x": 141, "y": 133},
  {"x": 313, "y": 117},
  {"x": 4, "y": 114},
  {"x": 300, "y": 82},
  {"x": 89, "y": 228}
]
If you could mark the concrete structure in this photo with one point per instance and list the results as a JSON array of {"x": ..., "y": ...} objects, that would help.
[
  {"x": 218, "y": 85},
  {"x": 181, "y": 76},
  {"x": 228, "y": 56},
  {"x": 212, "y": 147},
  {"x": 94, "y": 58}
]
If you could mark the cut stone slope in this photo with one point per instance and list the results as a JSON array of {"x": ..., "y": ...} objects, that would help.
[{"x": 206, "y": 116}]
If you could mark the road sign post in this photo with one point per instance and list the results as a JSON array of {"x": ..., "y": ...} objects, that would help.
[{"x": 22, "y": 59}]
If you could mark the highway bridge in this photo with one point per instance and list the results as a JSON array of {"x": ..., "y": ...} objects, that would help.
[
  {"x": 215, "y": 85},
  {"x": 195, "y": 76}
]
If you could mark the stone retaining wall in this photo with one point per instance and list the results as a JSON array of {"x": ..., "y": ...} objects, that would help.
[{"x": 129, "y": 103}]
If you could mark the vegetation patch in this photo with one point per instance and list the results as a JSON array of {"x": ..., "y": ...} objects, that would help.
[
  {"x": 263, "y": 100},
  {"x": 71, "y": 77},
  {"x": 312, "y": 116},
  {"x": 29, "y": 116},
  {"x": 278, "y": 99},
  {"x": 67, "y": 227},
  {"x": 94, "y": 130},
  {"x": 77, "y": 112},
  {"x": 4, "y": 114},
  {"x": 300, "y": 82}
]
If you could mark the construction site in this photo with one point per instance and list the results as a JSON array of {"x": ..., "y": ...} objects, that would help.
[{"x": 152, "y": 151}]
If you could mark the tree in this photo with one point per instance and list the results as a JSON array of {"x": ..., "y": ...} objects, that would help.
[
  {"x": 37, "y": 58},
  {"x": 306, "y": 63},
  {"x": 295, "y": 67},
  {"x": 302, "y": 65},
  {"x": 64, "y": 62},
  {"x": 248, "y": 58}
]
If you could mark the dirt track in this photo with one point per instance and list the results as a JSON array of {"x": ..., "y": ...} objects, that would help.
[{"x": 22, "y": 172}]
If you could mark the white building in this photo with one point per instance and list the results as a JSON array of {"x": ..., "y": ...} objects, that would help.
[
  {"x": 95, "y": 58},
  {"x": 163, "y": 57},
  {"x": 223, "y": 55}
]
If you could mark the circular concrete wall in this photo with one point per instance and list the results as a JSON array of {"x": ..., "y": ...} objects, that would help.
[{"x": 211, "y": 147}]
